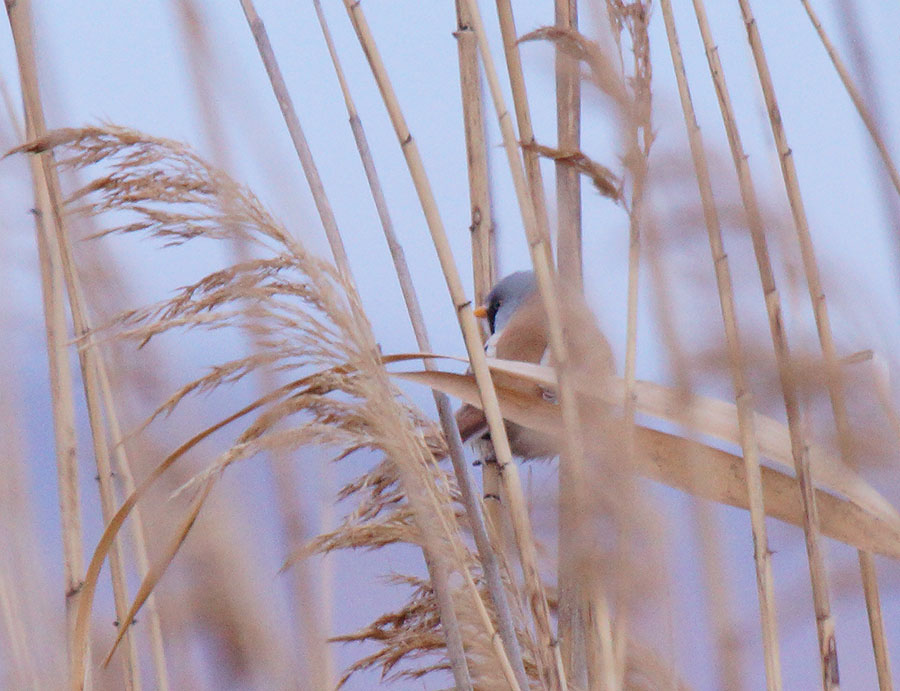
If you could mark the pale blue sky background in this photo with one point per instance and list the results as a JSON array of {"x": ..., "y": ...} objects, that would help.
[{"x": 124, "y": 62}]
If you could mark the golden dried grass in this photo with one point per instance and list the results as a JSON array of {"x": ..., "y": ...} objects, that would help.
[{"x": 490, "y": 617}]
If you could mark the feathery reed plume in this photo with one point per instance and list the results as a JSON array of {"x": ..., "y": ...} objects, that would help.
[
  {"x": 292, "y": 508},
  {"x": 297, "y": 307},
  {"x": 481, "y": 228},
  {"x": 438, "y": 573},
  {"x": 412, "y": 632}
]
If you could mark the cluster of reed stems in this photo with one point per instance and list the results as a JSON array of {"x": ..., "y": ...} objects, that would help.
[{"x": 490, "y": 609}]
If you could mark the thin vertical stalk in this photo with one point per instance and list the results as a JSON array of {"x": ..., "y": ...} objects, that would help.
[
  {"x": 89, "y": 358},
  {"x": 52, "y": 287},
  {"x": 138, "y": 530},
  {"x": 572, "y": 457},
  {"x": 833, "y": 374},
  {"x": 523, "y": 120},
  {"x": 743, "y": 397},
  {"x": 285, "y": 103},
  {"x": 484, "y": 262},
  {"x": 436, "y": 566},
  {"x": 568, "y": 133},
  {"x": 634, "y": 260},
  {"x": 50, "y": 204},
  {"x": 61, "y": 394},
  {"x": 639, "y": 137},
  {"x": 799, "y": 447},
  {"x": 482, "y": 235},
  {"x": 866, "y": 561},
  {"x": 848, "y": 20},
  {"x": 876, "y": 620},
  {"x": 484, "y": 275},
  {"x": 481, "y": 226},
  {"x": 470, "y": 332},
  {"x": 871, "y": 115},
  {"x": 855, "y": 96},
  {"x": 62, "y": 401},
  {"x": 572, "y": 607}
]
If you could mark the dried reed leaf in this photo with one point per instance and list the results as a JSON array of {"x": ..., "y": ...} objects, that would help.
[
  {"x": 713, "y": 418},
  {"x": 695, "y": 468},
  {"x": 605, "y": 181},
  {"x": 719, "y": 419},
  {"x": 159, "y": 567}
]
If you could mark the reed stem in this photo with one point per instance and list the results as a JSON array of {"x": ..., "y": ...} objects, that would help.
[
  {"x": 52, "y": 217},
  {"x": 833, "y": 374},
  {"x": 856, "y": 97},
  {"x": 523, "y": 121},
  {"x": 437, "y": 569},
  {"x": 468, "y": 325},
  {"x": 799, "y": 446},
  {"x": 474, "y": 510},
  {"x": 743, "y": 397}
]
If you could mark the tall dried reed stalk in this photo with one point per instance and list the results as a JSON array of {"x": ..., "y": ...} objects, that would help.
[
  {"x": 742, "y": 395},
  {"x": 573, "y": 611},
  {"x": 833, "y": 375},
  {"x": 481, "y": 248},
  {"x": 856, "y": 97},
  {"x": 824, "y": 622},
  {"x": 508, "y": 471},
  {"x": 46, "y": 184},
  {"x": 484, "y": 274},
  {"x": 59, "y": 369}
]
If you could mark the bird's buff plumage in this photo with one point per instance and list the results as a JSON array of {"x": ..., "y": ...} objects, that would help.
[{"x": 519, "y": 331}]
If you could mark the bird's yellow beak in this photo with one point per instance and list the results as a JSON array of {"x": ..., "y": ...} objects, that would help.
[{"x": 480, "y": 311}]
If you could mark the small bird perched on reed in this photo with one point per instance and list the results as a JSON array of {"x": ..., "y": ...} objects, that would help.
[{"x": 520, "y": 331}]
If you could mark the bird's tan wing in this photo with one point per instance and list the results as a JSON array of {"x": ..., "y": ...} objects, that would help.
[
  {"x": 526, "y": 336},
  {"x": 471, "y": 421}
]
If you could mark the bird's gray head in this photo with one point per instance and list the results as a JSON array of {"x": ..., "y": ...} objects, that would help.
[{"x": 506, "y": 297}]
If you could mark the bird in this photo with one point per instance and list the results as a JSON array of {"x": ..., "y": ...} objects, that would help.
[{"x": 519, "y": 330}]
